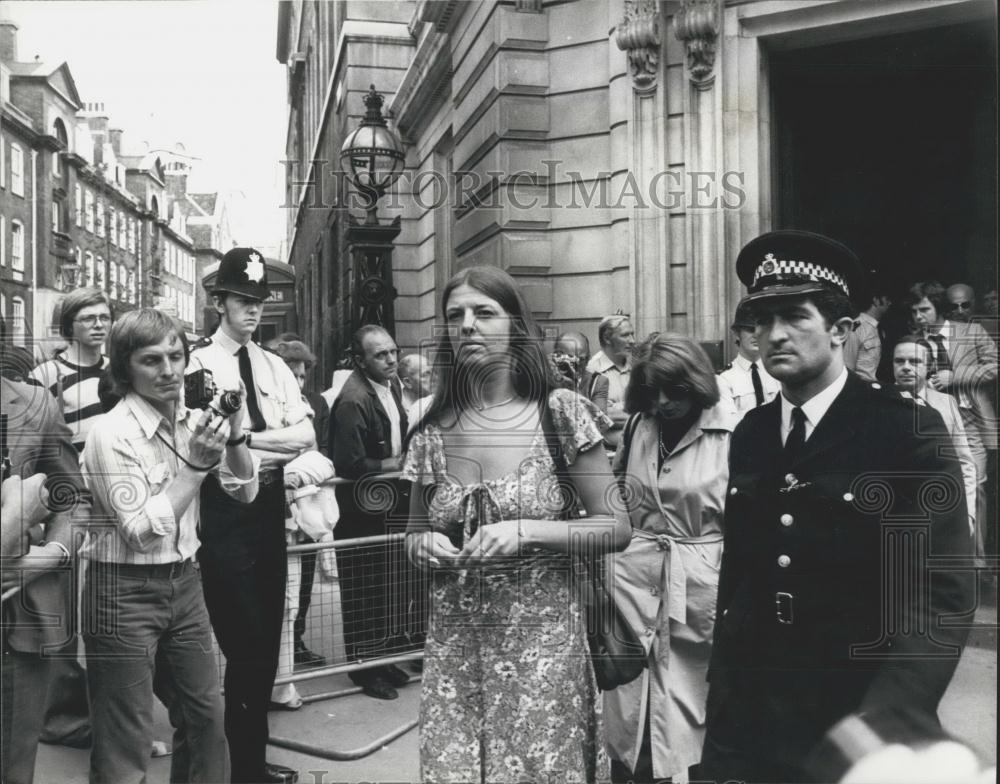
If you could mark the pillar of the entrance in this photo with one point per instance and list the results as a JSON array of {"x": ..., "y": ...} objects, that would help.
[
  {"x": 696, "y": 26},
  {"x": 638, "y": 34}
]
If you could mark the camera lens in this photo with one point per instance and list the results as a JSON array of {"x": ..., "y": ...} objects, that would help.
[{"x": 229, "y": 403}]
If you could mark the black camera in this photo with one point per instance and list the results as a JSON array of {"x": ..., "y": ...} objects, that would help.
[{"x": 200, "y": 391}]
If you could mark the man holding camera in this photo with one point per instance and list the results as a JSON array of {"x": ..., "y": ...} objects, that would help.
[
  {"x": 145, "y": 461},
  {"x": 243, "y": 555}
]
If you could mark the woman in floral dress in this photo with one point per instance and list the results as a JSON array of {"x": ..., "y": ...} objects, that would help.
[{"x": 508, "y": 689}]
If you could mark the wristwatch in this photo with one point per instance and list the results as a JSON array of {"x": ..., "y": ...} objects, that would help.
[{"x": 245, "y": 438}]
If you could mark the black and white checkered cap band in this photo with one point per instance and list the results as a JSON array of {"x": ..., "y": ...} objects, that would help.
[{"x": 771, "y": 266}]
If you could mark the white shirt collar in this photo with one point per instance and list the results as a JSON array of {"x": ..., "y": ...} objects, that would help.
[
  {"x": 744, "y": 364},
  {"x": 814, "y": 408},
  {"x": 603, "y": 363},
  {"x": 226, "y": 343}
]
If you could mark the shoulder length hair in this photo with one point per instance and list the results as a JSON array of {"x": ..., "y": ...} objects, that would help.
[
  {"x": 667, "y": 359},
  {"x": 530, "y": 373}
]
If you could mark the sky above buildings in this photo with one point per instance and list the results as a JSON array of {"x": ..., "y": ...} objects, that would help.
[{"x": 199, "y": 72}]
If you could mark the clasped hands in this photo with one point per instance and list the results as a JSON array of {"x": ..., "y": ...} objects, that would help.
[{"x": 432, "y": 549}]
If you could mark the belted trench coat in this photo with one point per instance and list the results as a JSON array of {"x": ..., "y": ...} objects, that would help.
[{"x": 665, "y": 583}]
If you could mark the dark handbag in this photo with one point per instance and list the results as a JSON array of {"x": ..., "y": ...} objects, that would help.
[{"x": 616, "y": 653}]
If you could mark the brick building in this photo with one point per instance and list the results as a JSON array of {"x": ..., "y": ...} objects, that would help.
[
  {"x": 618, "y": 153},
  {"x": 79, "y": 208}
]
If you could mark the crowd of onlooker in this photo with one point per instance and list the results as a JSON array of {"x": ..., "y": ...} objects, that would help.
[{"x": 153, "y": 485}]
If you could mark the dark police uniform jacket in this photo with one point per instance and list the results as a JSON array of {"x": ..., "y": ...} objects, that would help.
[{"x": 827, "y": 604}]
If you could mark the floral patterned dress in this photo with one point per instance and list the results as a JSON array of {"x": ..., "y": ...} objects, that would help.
[{"x": 508, "y": 689}]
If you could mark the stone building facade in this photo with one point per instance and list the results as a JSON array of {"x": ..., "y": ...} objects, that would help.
[{"x": 618, "y": 153}]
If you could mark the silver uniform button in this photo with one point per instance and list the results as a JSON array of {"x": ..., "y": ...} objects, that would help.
[
  {"x": 733, "y": 491},
  {"x": 786, "y": 520},
  {"x": 784, "y": 561},
  {"x": 848, "y": 497}
]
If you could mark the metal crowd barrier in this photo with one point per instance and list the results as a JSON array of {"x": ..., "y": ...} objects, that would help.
[{"x": 395, "y": 620}]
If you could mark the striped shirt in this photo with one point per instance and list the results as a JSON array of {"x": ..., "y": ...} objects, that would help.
[
  {"x": 128, "y": 468},
  {"x": 75, "y": 388}
]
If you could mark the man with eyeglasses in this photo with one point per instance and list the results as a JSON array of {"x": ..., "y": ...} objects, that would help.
[
  {"x": 614, "y": 361},
  {"x": 73, "y": 375},
  {"x": 964, "y": 364}
]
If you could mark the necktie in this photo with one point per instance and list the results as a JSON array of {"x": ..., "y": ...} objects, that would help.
[
  {"x": 758, "y": 388},
  {"x": 253, "y": 407},
  {"x": 942, "y": 359},
  {"x": 797, "y": 436}
]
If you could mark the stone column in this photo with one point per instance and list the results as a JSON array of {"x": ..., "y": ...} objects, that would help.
[
  {"x": 638, "y": 35},
  {"x": 696, "y": 25}
]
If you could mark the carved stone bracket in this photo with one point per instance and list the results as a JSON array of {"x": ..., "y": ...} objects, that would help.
[
  {"x": 696, "y": 24},
  {"x": 639, "y": 36}
]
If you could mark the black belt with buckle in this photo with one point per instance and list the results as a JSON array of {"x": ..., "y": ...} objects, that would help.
[
  {"x": 167, "y": 571},
  {"x": 783, "y": 602}
]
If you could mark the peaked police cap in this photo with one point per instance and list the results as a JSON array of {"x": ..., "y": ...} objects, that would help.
[{"x": 789, "y": 262}]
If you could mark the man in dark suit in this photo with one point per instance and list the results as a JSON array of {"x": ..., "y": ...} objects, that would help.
[
  {"x": 830, "y": 505},
  {"x": 367, "y": 426}
]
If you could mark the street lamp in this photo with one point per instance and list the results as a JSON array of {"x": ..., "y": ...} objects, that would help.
[{"x": 372, "y": 155}]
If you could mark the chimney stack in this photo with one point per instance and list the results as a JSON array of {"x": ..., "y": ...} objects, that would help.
[
  {"x": 8, "y": 41},
  {"x": 115, "y": 136}
]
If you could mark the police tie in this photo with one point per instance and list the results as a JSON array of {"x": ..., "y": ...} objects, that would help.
[
  {"x": 941, "y": 353},
  {"x": 758, "y": 388},
  {"x": 797, "y": 436},
  {"x": 253, "y": 407}
]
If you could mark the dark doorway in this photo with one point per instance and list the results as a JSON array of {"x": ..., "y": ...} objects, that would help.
[{"x": 890, "y": 145}]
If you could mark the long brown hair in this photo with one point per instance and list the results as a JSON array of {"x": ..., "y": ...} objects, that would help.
[{"x": 530, "y": 374}]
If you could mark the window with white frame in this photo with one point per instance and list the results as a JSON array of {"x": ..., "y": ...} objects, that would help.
[
  {"x": 113, "y": 280},
  {"x": 78, "y": 205},
  {"x": 122, "y": 281},
  {"x": 16, "y": 170},
  {"x": 56, "y": 215},
  {"x": 88, "y": 210},
  {"x": 123, "y": 231},
  {"x": 131, "y": 236},
  {"x": 99, "y": 273},
  {"x": 3, "y": 164},
  {"x": 3, "y": 240},
  {"x": 99, "y": 218},
  {"x": 113, "y": 225},
  {"x": 89, "y": 273},
  {"x": 17, "y": 249},
  {"x": 18, "y": 327}
]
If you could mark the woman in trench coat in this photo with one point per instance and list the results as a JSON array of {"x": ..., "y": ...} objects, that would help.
[{"x": 674, "y": 458}]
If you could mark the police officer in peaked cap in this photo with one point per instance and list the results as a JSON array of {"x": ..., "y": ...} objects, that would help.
[
  {"x": 744, "y": 380},
  {"x": 243, "y": 555},
  {"x": 819, "y": 479}
]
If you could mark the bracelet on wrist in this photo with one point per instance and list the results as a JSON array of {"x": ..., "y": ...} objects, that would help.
[{"x": 243, "y": 439}]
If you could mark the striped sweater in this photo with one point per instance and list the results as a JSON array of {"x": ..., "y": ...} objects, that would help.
[{"x": 75, "y": 389}]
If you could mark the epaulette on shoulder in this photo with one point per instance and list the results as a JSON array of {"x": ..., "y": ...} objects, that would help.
[
  {"x": 892, "y": 393},
  {"x": 202, "y": 343},
  {"x": 727, "y": 367}
]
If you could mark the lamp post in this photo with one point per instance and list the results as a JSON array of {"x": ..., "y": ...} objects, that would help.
[{"x": 372, "y": 157}]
